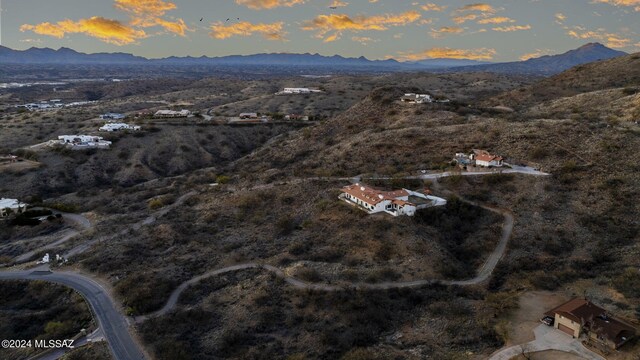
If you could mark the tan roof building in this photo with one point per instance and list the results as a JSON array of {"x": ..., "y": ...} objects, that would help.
[{"x": 580, "y": 316}]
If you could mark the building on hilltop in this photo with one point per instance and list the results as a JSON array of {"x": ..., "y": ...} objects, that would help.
[
  {"x": 292, "y": 117},
  {"x": 286, "y": 91},
  {"x": 11, "y": 206},
  {"x": 397, "y": 203},
  {"x": 112, "y": 116},
  {"x": 119, "y": 126},
  {"x": 412, "y": 98},
  {"x": 481, "y": 158},
  {"x": 581, "y": 317},
  {"x": 248, "y": 115},
  {"x": 172, "y": 114},
  {"x": 80, "y": 142}
]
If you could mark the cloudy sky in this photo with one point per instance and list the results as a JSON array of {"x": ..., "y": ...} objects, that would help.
[{"x": 500, "y": 30}]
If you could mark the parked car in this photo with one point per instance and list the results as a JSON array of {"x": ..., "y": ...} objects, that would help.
[{"x": 547, "y": 320}]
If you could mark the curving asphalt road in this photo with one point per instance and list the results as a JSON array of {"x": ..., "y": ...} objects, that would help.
[{"x": 113, "y": 324}]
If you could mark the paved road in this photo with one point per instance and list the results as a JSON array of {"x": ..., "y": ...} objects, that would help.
[
  {"x": 58, "y": 353},
  {"x": 113, "y": 324},
  {"x": 78, "y": 219},
  {"x": 547, "y": 338}
]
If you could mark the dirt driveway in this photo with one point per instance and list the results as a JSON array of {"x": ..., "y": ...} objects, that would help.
[{"x": 532, "y": 305}]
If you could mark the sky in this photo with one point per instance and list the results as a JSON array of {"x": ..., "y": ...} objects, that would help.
[{"x": 500, "y": 30}]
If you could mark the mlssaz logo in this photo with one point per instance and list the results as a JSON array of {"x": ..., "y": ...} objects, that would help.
[{"x": 54, "y": 344}]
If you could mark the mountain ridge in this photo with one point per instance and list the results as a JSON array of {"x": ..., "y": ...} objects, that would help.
[{"x": 544, "y": 65}]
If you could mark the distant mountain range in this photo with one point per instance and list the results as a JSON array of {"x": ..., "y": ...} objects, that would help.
[{"x": 545, "y": 65}]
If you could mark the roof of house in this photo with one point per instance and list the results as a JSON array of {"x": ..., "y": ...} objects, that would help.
[
  {"x": 371, "y": 195},
  {"x": 10, "y": 203},
  {"x": 488, "y": 157},
  {"x": 583, "y": 311}
]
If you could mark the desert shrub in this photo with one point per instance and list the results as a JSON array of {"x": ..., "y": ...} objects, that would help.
[
  {"x": 223, "y": 179},
  {"x": 308, "y": 274},
  {"x": 497, "y": 178},
  {"x": 629, "y": 91},
  {"x": 64, "y": 207},
  {"x": 155, "y": 204},
  {"x": 628, "y": 283}
]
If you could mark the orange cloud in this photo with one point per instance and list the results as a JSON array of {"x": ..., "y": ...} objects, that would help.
[
  {"x": 110, "y": 31},
  {"x": 448, "y": 53},
  {"x": 337, "y": 23},
  {"x": 148, "y": 13},
  {"x": 635, "y": 3},
  {"x": 496, "y": 20},
  {"x": 464, "y": 18},
  {"x": 438, "y": 33},
  {"x": 338, "y": 3},
  {"x": 268, "y": 4},
  {"x": 481, "y": 7},
  {"x": 536, "y": 54},
  {"x": 432, "y": 7},
  {"x": 512, "y": 28},
  {"x": 610, "y": 39},
  {"x": 269, "y": 31},
  {"x": 142, "y": 13}
]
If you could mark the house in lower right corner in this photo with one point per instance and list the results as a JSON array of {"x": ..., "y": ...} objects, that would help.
[{"x": 581, "y": 317}]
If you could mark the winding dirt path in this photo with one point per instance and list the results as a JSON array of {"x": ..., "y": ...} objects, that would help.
[{"x": 483, "y": 273}]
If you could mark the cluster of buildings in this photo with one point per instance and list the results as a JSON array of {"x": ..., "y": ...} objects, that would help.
[
  {"x": 11, "y": 206},
  {"x": 287, "y": 91},
  {"x": 163, "y": 114},
  {"x": 397, "y": 203},
  {"x": 52, "y": 104},
  {"x": 480, "y": 158},
  {"x": 110, "y": 127},
  {"x": 412, "y": 98},
  {"x": 112, "y": 116},
  {"x": 579, "y": 317},
  {"x": 296, "y": 117},
  {"x": 81, "y": 142}
]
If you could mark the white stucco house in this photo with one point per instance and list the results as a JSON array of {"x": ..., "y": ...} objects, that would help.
[
  {"x": 110, "y": 127},
  {"x": 481, "y": 158},
  {"x": 11, "y": 206},
  {"x": 412, "y": 98},
  {"x": 298, "y": 91},
  {"x": 80, "y": 142},
  {"x": 486, "y": 159},
  {"x": 112, "y": 116},
  {"x": 397, "y": 203}
]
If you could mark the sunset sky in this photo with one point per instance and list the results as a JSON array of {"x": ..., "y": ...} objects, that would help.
[{"x": 503, "y": 30}]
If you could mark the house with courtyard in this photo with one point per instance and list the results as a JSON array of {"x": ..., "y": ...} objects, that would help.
[
  {"x": 397, "y": 202},
  {"x": 111, "y": 127},
  {"x": 81, "y": 142},
  {"x": 480, "y": 158},
  {"x": 579, "y": 317},
  {"x": 11, "y": 206},
  {"x": 412, "y": 98}
]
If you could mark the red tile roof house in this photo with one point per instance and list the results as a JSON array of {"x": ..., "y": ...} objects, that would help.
[
  {"x": 396, "y": 203},
  {"x": 580, "y": 316},
  {"x": 485, "y": 159}
]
